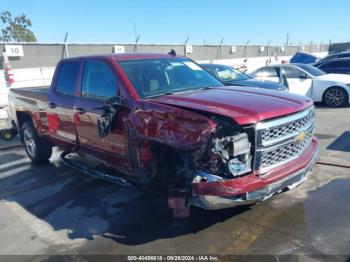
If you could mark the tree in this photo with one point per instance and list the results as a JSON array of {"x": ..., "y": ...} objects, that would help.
[{"x": 16, "y": 29}]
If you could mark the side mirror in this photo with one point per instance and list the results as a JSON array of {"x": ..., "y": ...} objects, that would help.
[{"x": 304, "y": 76}]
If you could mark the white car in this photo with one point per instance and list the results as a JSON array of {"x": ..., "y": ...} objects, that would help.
[{"x": 307, "y": 80}]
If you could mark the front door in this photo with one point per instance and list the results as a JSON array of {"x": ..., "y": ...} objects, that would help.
[
  {"x": 298, "y": 81},
  {"x": 100, "y": 83}
]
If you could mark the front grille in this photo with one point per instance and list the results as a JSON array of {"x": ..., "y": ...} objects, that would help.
[
  {"x": 290, "y": 129},
  {"x": 285, "y": 153},
  {"x": 282, "y": 140}
]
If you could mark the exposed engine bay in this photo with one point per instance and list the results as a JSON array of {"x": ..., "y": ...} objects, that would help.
[{"x": 228, "y": 154}]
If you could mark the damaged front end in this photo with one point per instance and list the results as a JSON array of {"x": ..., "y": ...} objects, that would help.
[
  {"x": 229, "y": 155},
  {"x": 245, "y": 165}
]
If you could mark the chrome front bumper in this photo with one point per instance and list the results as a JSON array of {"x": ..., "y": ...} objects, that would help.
[{"x": 219, "y": 202}]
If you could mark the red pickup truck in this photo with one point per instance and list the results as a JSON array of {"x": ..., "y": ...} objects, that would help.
[{"x": 162, "y": 120}]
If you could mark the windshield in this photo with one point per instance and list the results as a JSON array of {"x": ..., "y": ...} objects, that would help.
[
  {"x": 312, "y": 70},
  {"x": 161, "y": 76}
]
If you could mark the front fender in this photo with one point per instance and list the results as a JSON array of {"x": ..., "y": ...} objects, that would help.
[{"x": 169, "y": 125}]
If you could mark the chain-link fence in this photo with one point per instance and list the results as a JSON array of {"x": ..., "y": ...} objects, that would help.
[
  {"x": 34, "y": 65},
  {"x": 38, "y": 55}
]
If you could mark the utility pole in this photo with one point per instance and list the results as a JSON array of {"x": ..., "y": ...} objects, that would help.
[{"x": 287, "y": 42}]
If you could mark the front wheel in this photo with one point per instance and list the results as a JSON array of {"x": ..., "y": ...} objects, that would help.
[
  {"x": 335, "y": 97},
  {"x": 37, "y": 149}
]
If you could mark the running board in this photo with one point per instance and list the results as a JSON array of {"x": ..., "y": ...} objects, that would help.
[{"x": 92, "y": 172}]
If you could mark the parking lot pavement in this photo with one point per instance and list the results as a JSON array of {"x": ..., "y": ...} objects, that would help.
[
  {"x": 11, "y": 143},
  {"x": 52, "y": 209}
]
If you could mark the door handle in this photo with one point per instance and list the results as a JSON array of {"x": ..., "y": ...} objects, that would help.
[
  {"x": 80, "y": 110},
  {"x": 52, "y": 105}
]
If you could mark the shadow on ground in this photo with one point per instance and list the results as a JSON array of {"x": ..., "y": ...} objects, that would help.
[
  {"x": 86, "y": 207},
  {"x": 322, "y": 105},
  {"x": 342, "y": 143}
]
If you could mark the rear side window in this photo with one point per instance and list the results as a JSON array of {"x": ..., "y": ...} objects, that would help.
[
  {"x": 67, "y": 77},
  {"x": 266, "y": 72},
  {"x": 99, "y": 82},
  {"x": 293, "y": 72}
]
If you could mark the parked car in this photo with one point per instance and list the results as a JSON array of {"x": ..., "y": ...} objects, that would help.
[
  {"x": 303, "y": 58},
  {"x": 231, "y": 76},
  {"x": 335, "y": 66},
  {"x": 336, "y": 55},
  {"x": 162, "y": 120},
  {"x": 302, "y": 79}
]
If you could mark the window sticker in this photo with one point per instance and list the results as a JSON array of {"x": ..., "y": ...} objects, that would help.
[{"x": 192, "y": 65}]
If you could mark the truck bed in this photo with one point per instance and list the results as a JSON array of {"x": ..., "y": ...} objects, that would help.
[{"x": 36, "y": 93}]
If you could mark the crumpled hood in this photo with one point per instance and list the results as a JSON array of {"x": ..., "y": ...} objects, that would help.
[
  {"x": 245, "y": 105},
  {"x": 343, "y": 78}
]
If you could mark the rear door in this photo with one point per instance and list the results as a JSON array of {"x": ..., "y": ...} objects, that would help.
[
  {"x": 100, "y": 83},
  {"x": 61, "y": 100}
]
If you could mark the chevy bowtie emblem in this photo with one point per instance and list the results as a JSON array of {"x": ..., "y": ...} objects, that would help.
[{"x": 301, "y": 136}]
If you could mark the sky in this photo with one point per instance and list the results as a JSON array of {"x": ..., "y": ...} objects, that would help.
[{"x": 163, "y": 21}]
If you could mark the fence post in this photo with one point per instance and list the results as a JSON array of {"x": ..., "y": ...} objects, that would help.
[{"x": 65, "y": 45}]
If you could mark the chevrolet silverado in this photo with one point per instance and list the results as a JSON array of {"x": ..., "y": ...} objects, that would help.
[{"x": 161, "y": 120}]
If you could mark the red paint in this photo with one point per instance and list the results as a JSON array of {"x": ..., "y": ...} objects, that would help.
[
  {"x": 253, "y": 181},
  {"x": 244, "y": 105},
  {"x": 53, "y": 122},
  {"x": 170, "y": 125},
  {"x": 76, "y": 119}
]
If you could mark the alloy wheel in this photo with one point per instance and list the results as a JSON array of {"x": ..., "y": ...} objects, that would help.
[
  {"x": 29, "y": 142},
  {"x": 334, "y": 97}
]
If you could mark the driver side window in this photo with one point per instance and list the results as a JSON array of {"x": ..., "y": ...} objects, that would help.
[{"x": 99, "y": 82}]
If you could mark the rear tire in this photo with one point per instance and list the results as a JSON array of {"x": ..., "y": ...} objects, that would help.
[
  {"x": 335, "y": 97},
  {"x": 37, "y": 149}
]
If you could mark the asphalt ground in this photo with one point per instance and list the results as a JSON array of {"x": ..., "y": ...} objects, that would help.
[{"x": 54, "y": 210}]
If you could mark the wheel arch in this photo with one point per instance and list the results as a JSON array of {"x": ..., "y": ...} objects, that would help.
[{"x": 22, "y": 117}]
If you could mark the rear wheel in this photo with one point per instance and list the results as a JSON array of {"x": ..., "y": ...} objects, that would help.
[
  {"x": 37, "y": 149},
  {"x": 335, "y": 97}
]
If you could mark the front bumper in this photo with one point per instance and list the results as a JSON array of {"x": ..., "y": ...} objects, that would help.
[{"x": 254, "y": 188}]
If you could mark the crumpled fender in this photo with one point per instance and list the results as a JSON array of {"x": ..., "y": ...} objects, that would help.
[{"x": 170, "y": 125}]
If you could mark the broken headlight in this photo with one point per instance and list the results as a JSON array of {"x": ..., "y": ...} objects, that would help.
[{"x": 235, "y": 153}]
